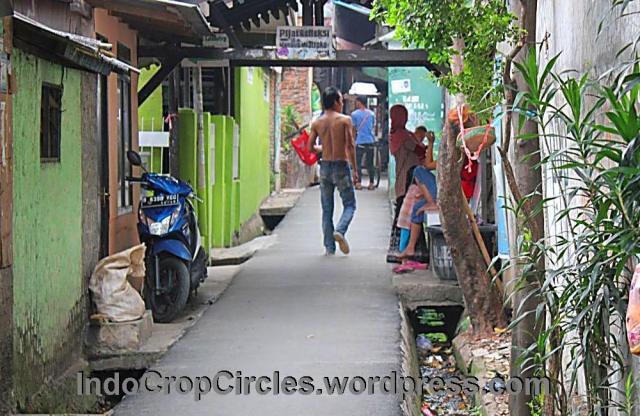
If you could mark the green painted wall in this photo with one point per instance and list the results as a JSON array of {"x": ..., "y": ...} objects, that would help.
[
  {"x": 187, "y": 146},
  {"x": 152, "y": 158},
  {"x": 230, "y": 202},
  {"x": 219, "y": 195},
  {"x": 150, "y": 118},
  {"x": 150, "y": 112},
  {"x": 230, "y": 208},
  {"x": 47, "y": 229},
  {"x": 252, "y": 114}
]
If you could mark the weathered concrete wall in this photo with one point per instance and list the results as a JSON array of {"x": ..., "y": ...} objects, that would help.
[
  {"x": 6, "y": 251},
  {"x": 570, "y": 27},
  {"x": 6, "y": 339},
  {"x": 49, "y": 296},
  {"x": 90, "y": 182},
  {"x": 55, "y": 14}
]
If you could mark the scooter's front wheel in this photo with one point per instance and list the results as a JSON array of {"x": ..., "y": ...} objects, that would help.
[{"x": 166, "y": 303}]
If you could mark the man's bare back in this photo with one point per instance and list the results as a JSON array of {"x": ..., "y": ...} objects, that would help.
[{"x": 336, "y": 135}]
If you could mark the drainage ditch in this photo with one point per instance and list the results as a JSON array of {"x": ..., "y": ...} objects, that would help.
[
  {"x": 113, "y": 384},
  {"x": 271, "y": 221},
  {"x": 434, "y": 328}
]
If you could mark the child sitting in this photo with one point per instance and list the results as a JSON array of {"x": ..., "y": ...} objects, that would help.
[{"x": 425, "y": 181}]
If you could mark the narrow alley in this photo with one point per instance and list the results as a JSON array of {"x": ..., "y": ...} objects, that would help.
[{"x": 295, "y": 311}]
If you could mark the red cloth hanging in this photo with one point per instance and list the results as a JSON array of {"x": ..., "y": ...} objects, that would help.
[{"x": 301, "y": 146}]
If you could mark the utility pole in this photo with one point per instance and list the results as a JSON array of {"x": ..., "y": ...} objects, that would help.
[
  {"x": 172, "y": 117},
  {"x": 200, "y": 127}
]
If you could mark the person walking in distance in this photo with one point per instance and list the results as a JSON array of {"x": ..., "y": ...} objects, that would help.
[
  {"x": 363, "y": 122},
  {"x": 337, "y": 168}
]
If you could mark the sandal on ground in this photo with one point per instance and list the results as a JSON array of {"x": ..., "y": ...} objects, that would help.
[
  {"x": 417, "y": 265},
  {"x": 403, "y": 268}
]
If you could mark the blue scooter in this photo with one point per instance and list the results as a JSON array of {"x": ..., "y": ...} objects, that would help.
[{"x": 176, "y": 262}]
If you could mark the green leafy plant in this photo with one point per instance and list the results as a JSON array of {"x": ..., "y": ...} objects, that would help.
[
  {"x": 594, "y": 174},
  {"x": 433, "y": 25},
  {"x": 291, "y": 120}
]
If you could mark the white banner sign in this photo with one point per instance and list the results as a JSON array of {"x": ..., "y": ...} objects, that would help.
[{"x": 305, "y": 42}]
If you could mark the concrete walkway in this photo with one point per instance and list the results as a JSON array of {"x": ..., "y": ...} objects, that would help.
[{"x": 293, "y": 310}]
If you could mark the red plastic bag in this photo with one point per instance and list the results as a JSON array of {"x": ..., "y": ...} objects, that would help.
[
  {"x": 633, "y": 314},
  {"x": 300, "y": 145}
]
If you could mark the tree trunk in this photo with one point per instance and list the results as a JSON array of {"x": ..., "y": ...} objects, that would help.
[
  {"x": 482, "y": 299},
  {"x": 525, "y": 159}
]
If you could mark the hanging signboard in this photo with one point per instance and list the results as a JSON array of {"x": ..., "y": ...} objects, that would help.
[
  {"x": 216, "y": 40},
  {"x": 305, "y": 42}
]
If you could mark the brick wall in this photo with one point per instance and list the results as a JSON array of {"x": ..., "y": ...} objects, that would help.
[{"x": 296, "y": 90}]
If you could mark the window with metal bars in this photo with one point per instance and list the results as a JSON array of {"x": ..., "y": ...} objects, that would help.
[
  {"x": 50, "y": 123},
  {"x": 125, "y": 191}
]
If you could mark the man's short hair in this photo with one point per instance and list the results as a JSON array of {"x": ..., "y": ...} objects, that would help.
[
  {"x": 330, "y": 96},
  {"x": 422, "y": 129},
  {"x": 362, "y": 100}
]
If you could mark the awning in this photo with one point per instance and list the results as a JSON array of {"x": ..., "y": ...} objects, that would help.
[
  {"x": 159, "y": 20},
  {"x": 68, "y": 49}
]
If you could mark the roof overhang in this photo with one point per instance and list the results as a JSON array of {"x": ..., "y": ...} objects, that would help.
[
  {"x": 160, "y": 20},
  {"x": 69, "y": 49}
]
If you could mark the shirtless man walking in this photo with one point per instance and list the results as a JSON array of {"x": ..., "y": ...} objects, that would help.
[{"x": 338, "y": 151}]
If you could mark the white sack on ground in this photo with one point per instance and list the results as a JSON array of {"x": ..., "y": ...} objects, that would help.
[{"x": 113, "y": 295}]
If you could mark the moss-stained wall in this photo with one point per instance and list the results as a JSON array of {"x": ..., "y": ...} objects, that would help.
[
  {"x": 252, "y": 114},
  {"x": 47, "y": 228}
]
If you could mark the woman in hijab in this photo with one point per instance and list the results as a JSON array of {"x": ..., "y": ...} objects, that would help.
[{"x": 408, "y": 152}]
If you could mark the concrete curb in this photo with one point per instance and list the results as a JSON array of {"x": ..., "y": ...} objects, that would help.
[
  {"x": 411, "y": 402},
  {"x": 240, "y": 254}
]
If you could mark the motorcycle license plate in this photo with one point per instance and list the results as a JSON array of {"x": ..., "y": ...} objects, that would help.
[{"x": 156, "y": 201}]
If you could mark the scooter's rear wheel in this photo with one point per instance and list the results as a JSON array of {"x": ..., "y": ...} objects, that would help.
[{"x": 175, "y": 281}]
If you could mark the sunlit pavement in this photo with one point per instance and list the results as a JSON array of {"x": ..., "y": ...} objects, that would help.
[{"x": 293, "y": 310}]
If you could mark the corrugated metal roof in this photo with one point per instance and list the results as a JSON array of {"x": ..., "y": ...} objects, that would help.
[
  {"x": 84, "y": 52},
  {"x": 160, "y": 19}
]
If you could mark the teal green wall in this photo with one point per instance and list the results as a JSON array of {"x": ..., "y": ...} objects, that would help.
[
  {"x": 252, "y": 114},
  {"x": 423, "y": 99},
  {"x": 47, "y": 229}
]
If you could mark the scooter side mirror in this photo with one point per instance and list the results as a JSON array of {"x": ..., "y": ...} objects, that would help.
[{"x": 134, "y": 158}]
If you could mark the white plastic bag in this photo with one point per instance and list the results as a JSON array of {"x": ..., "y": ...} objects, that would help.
[{"x": 115, "y": 298}]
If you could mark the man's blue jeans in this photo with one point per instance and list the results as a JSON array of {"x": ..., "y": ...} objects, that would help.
[{"x": 336, "y": 174}]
